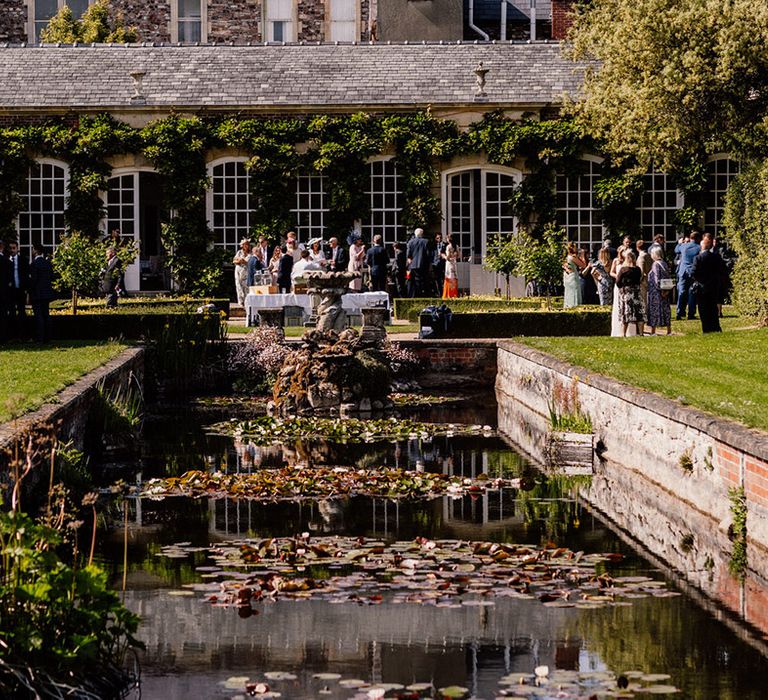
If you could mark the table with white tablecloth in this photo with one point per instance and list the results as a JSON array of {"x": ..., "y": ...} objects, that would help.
[{"x": 352, "y": 302}]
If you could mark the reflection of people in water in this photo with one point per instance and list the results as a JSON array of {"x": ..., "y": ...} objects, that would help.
[{"x": 332, "y": 513}]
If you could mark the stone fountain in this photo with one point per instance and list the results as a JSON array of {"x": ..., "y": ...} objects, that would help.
[{"x": 336, "y": 369}]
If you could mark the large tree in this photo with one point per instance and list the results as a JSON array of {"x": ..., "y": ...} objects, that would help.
[{"x": 672, "y": 80}]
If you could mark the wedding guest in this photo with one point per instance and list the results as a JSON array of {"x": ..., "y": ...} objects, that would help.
[
  {"x": 294, "y": 249},
  {"x": 111, "y": 278},
  {"x": 377, "y": 260},
  {"x": 616, "y": 266},
  {"x": 41, "y": 291},
  {"x": 417, "y": 253},
  {"x": 242, "y": 256},
  {"x": 588, "y": 286},
  {"x": 401, "y": 269},
  {"x": 262, "y": 251},
  {"x": 19, "y": 269},
  {"x": 707, "y": 273},
  {"x": 602, "y": 276},
  {"x": 356, "y": 258},
  {"x": 571, "y": 267},
  {"x": 452, "y": 257},
  {"x": 305, "y": 264},
  {"x": 644, "y": 262},
  {"x": 687, "y": 251},
  {"x": 630, "y": 305},
  {"x": 658, "y": 242},
  {"x": 255, "y": 265},
  {"x": 438, "y": 263},
  {"x": 284, "y": 270},
  {"x": 608, "y": 245},
  {"x": 659, "y": 311},
  {"x": 274, "y": 263},
  {"x": 316, "y": 254},
  {"x": 338, "y": 261},
  {"x": 6, "y": 293}
]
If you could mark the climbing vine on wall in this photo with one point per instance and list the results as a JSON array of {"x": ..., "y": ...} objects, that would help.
[{"x": 279, "y": 149}]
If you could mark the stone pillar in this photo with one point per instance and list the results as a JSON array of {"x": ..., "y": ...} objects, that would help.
[{"x": 374, "y": 321}]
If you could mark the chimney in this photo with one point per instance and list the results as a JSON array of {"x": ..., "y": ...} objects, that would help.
[{"x": 562, "y": 18}]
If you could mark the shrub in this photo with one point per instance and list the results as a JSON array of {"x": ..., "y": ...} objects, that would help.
[
  {"x": 259, "y": 357},
  {"x": 410, "y": 308},
  {"x": 403, "y": 363}
]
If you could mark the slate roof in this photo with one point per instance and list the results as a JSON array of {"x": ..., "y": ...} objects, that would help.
[{"x": 270, "y": 77}]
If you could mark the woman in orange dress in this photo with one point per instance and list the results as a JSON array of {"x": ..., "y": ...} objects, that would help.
[{"x": 451, "y": 283}]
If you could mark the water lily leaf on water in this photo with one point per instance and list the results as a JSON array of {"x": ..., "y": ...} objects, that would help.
[
  {"x": 659, "y": 690},
  {"x": 280, "y": 676},
  {"x": 454, "y": 691},
  {"x": 305, "y": 483}
]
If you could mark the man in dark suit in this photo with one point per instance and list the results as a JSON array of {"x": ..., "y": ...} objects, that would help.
[
  {"x": 401, "y": 267},
  {"x": 41, "y": 291},
  {"x": 377, "y": 260},
  {"x": 438, "y": 264},
  {"x": 284, "y": 270},
  {"x": 5, "y": 292},
  {"x": 418, "y": 263},
  {"x": 707, "y": 274},
  {"x": 19, "y": 268},
  {"x": 111, "y": 278},
  {"x": 338, "y": 260}
]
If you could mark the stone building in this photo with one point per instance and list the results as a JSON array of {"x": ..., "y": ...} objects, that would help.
[{"x": 242, "y": 21}]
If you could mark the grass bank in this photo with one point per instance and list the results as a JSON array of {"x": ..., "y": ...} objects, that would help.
[
  {"x": 30, "y": 375},
  {"x": 725, "y": 374}
]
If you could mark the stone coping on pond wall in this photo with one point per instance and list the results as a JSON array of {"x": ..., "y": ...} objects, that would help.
[
  {"x": 694, "y": 455},
  {"x": 69, "y": 408}
]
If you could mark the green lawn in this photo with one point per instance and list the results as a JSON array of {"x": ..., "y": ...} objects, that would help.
[
  {"x": 722, "y": 373},
  {"x": 31, "y": 375}
]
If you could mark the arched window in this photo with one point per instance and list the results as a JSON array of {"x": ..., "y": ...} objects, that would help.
[
  {"x": 576, "y": 210},
  {"x": 44, "y": 202},
  {"x": 386, "y": 202},
  {"x": 229, "y": 202},
  {"x": 658, "y": 204},
  {"x": 309, "y": 212},
  {"x": 720, "y": 173}
]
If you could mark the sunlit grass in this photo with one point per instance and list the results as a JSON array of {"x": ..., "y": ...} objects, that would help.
[{"x": 31, "y": 375}]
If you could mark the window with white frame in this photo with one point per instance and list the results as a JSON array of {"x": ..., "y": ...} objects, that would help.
[
  {"x": 343, "y": 21},
  {"x": 498, "y": 191},
  {"x": 461, "y": 217},
  {"x": 44, "y": 201},
  {"x": 386, "y": 202},
  {"x": 576, "y": 211},
  {"x": 720, "y": 174},
  {"x": 658, "y": 204},
  {"x": 279, "y": 15},
  {"x": 230, "y": 203},
  {"x": 122, "y": 205},
  {"x": 41, "y": 12},
  {"x": 309, "y": 212},
  {"x": 189, "y": 21}
]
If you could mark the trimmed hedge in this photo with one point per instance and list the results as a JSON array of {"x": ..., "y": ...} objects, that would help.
[
  {"x": 409, "y": 309},
  {"x": 104, "y": 326},
  {"x": 139, "y": 305},
  {"x": 530, "y": 323}
]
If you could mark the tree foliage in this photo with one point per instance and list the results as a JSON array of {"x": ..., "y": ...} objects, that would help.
[
  {"x": 746, "y": 224},
  {"x": 670, "y": 80},
  {"x": 99, "y": 25},
  {"x": 78, "y": 260},
  {"x": 541, "y": 259},
  {"x": 501, "y": 257}
]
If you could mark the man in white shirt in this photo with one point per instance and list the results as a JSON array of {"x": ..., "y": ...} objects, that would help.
[{"x": 304, "y": 265}]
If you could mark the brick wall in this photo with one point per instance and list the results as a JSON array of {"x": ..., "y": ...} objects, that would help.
[
  {"x": 562, "y": 18},
  {"x": 234, "y": 20},
  {"x": 468, "y": 357},
  {"x": 13, "y": 18}
]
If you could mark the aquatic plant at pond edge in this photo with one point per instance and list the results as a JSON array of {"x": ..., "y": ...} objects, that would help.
[
  {"x": 266, "y": 430},
  {"x": 737, "y": 565},
  {"x": 301, "y": 483},
  {"x": 565, "y": 412}
]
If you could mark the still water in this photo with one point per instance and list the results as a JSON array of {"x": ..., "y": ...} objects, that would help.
[{"x": 197, "y": 650}]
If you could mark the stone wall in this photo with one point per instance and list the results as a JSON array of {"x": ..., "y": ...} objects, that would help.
[
  {"x": 234, "y": 20},
  {"x": 693, "y": 455},
  {"x": 13, "y": 21},
  {"x": 70, "y": 408},
  {"x": 311, "y": 20},
  {"x": 152, "y": 18}
]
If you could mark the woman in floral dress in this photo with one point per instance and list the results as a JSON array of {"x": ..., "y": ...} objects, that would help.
[
  {"x": 659, "y": 312},
  {"x": 631, "y": 308}
]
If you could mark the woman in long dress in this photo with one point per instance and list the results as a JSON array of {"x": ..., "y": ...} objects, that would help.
[
  {"x": 274, "y": 264},
  {"x": 451, "y": 282},
  {"x": 356, "y": 259},
  {"x": 659, "y": 312},
  {"x": 631, "y": 307},
  {"x": 242, "y": 256},
  {"x": 571, "y": 279},
  {"x": 616, "y": 265},
  {"x": 602, "y": 277}
]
